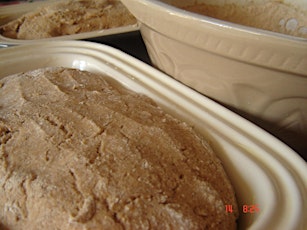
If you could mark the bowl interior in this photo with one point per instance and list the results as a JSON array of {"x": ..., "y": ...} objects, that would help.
[
  {"x": 302, "y": 4},
  {"x": 285, "y": 17}
]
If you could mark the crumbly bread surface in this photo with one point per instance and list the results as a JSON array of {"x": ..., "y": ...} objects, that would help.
[
  {"x": 67, "y": 18},
  {"x": 78, "y": 152}
]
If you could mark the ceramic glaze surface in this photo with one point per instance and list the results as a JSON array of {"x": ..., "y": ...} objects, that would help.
[{"x": 260, "y": 74}]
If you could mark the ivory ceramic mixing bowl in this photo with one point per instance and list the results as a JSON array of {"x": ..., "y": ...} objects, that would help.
[{"x": 260, "y": 74}]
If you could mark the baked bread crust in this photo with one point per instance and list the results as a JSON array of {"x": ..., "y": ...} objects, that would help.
[
  {"x": 67, "y": 18},
  {"x": 79, "y": 152}
]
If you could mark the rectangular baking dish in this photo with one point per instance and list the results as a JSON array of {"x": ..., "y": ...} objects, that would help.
[{"x": 264, "y": 171}]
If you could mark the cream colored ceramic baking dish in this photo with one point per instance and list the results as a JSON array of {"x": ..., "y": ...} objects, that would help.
[
  {"x": 11, "y": 12},
  {"x": 263, "y": 170}
]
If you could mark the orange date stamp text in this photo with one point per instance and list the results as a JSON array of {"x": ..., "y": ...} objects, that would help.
[{"x": 246, "y": 208}]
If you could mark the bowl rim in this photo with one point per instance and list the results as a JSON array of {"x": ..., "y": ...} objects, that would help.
[
  {"x": 266, "y": 48},
  {"x": 223, "y": 23}
]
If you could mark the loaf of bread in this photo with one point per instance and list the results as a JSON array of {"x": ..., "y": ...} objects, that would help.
[
  {"x": 78, "y": 151},
  {"x": 68, "y": 17}
]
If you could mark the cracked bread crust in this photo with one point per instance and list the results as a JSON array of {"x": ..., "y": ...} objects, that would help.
[
  {"x": 78, "y": 152},
  {"x": 67, "y": 18}
]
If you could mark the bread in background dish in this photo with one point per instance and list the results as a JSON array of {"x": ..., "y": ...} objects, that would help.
[
  {"x": 67, "y": 18},
  {"x": 273, "y": 16}
]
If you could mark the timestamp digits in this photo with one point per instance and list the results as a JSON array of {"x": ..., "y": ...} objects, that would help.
[{"x": 246, "y": 208}]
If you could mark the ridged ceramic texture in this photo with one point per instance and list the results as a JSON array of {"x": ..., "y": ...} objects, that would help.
[{"x": 261, "y": 75}]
